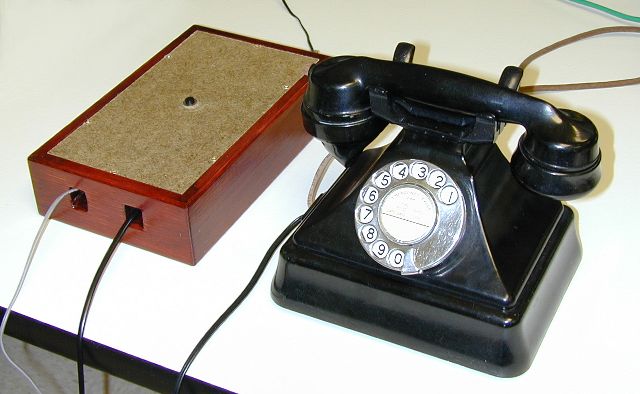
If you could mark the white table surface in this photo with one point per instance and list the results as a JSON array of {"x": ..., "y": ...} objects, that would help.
[{"x": 58, "y": 57}]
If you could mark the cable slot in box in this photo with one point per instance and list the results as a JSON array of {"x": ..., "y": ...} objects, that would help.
[{"x": 79, "y": 200}]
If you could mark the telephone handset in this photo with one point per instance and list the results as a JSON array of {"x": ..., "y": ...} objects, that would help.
[
  {"x": 351, "y": 99},
  {"x": 436, "y": 241}
]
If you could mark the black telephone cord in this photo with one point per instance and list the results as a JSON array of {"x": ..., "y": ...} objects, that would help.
[
  {"x": 237, "y": 302},
  {"x": 306, "y": 33},
  {"x": 91, "y": 293}
]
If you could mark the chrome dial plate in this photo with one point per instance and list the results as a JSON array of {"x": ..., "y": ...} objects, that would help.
[{"x": 409, "y": 216}]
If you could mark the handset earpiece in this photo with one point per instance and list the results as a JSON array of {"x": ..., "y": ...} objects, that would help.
[
  {"x": 562, "y": 166},
  {"x": 561, "y": 162},
  {"x": 336, "y": 107}
]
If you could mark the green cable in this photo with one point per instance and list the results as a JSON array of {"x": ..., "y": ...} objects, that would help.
[{"x": 607, "y": 10}]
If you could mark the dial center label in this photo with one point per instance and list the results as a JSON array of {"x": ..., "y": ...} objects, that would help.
[{"x": 407, "y": 214}]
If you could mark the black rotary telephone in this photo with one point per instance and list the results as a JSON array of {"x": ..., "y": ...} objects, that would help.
[{"x": 436, "y": 241}]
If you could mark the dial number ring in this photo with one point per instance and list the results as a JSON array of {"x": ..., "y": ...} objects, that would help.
[{"x": 409, "y": 215}]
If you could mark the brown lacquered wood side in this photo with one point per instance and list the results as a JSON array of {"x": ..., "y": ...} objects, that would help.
[
  {"x": 281, "y": 138},
  {"x": 165, "y": 226}
]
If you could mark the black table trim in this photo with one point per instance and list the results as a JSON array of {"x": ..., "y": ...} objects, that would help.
[{"x": 115, "y": 362}]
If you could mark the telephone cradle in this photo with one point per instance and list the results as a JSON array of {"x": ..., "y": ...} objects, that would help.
[{"x": 436, "y": 241}]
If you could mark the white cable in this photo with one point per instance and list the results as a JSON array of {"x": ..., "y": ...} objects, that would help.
[{"x": 34, "y": 246}]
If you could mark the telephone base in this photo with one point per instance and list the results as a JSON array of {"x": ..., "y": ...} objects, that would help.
[{"x": 496, "y": 340}]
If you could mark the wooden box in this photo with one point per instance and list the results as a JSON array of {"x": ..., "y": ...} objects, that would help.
[{"x": 191, "y": 139}]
